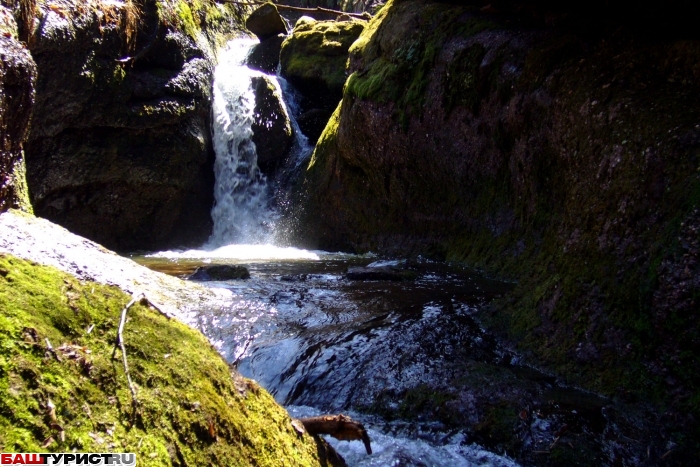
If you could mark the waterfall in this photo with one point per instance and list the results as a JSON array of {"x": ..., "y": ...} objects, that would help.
[{"x": 242, "y": 212}]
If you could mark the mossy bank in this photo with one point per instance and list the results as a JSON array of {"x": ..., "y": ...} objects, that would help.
[
  {"x": 563, "y": 158},
  {"x": 193, "y": 409}
]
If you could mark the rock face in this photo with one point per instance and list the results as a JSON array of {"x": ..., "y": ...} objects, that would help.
[
  {"x": 313, "y": 59},
  {"x": 566, "y": 160},
  {"x": 266, "y": 22},
  {"x": 272, "y": 129},
  {"x": 265, "y": 56},
  {"x": 120, "y": 148},
  {"x": 17, "y": 79}
]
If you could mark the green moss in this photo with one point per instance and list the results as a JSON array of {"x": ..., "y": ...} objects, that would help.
[
  {"x": 21, "y": 190},
  {"x": 397, "y": 63},
  {"x": 317, "y": 52},
  {"x": 192, "y": 410}
]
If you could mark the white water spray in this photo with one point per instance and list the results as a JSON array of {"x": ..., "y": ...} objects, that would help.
[{"x": 242, "y": 212}]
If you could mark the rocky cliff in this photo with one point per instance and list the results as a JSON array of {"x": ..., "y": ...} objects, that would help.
[
  {"x": 556, "y": 152},
  {"x": 120, "y": 148},
  {"x": 17, "y": 78}
]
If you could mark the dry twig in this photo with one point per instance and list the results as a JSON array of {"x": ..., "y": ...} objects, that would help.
[{"x": 318, "y": 9}]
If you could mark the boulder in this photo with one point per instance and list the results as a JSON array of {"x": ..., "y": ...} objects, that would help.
[
  {"x": 265, "y": 56},
  {"x": 219, "y": 272},
  {"x": 17, "y": 79},
  {"x": 313, "y": 57},
  {"x": 272, "y": 129},
  {"x": 266, "y": 22}
]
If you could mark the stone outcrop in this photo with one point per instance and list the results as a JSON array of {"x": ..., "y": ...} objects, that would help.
[
  {"x": 265, "y": 22},
  {"x": 272, "y": 129},
  {"x": 313, "y": 59},
  {"x": 265, "y": 56},
  {"x": 17, "y": 79},
  {"x": 120, "y": 148},
  {"x": 565, "y": 158}
]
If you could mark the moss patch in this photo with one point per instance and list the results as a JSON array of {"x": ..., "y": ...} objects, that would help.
[
  {"x": 397, "y": 62},
  {"x": 192, "y": 409},
  {"x": 316, "y": 53}
]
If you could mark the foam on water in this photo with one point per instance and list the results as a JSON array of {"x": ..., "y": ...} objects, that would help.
[
  {"x": 389, "y": 450},
  {"x": 242, "y": 252}
]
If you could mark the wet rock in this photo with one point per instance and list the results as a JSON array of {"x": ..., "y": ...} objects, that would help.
[
  {"x": 313, "y": 121},
  {"x": 266, "y": 22},
  {"x": 17, "y": 79},
  {"x": 386, "y": 273},
  {"x": 120, "y": 151},
  {"x": 265, "y": 56},
  {"x": 219, "y": 272},
  {"x": 272, "y": 129}
]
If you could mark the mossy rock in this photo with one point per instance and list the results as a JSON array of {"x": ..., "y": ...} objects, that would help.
[
  {"x": 193, "y": 409},
  {"x": 314, "y": 56}
]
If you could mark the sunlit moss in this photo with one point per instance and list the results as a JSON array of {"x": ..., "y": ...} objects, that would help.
[{"x": 191, "y": 409}]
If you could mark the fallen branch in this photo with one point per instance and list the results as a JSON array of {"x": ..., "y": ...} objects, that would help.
[
  {"x": 338, "y": 426},
  {"x": 318, "y": 9},
  {"x": 120, "y": 342}
]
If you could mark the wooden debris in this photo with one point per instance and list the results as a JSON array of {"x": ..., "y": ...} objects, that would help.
[
  {"x": 318, "y": 9},
  {"x": 338, "y": 426}
]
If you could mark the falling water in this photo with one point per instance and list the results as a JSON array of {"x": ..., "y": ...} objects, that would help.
[{"x": 242, "y": 212}]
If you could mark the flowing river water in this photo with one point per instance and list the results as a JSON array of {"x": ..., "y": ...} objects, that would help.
[{"x": 407, "y": 358}]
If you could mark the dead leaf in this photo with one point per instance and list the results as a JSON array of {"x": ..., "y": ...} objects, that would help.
[{"x": 47, "y": 442}]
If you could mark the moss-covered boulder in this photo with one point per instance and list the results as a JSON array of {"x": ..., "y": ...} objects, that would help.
[
  {"x": 272, "y": 129},
  {"x": 313, "y": 57},
  {"x": 119, "y": 149},
  {"x": 61, "y": 389},
  {"x": 17, "y": 79},
  {"x": 565, "y": 158}
]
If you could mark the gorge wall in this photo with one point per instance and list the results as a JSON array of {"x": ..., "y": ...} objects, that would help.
[
  {"x": 120, "y": 148},
  {"x": 556, "y": 152}
]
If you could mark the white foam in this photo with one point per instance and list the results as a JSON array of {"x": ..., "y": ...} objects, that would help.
[{"x": 242, "y": 252}]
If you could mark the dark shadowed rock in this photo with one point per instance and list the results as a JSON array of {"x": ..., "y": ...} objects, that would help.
[
  {"x": 265, "y": 56},
  {"x": 219, "y": 272},
  {"x": 565, "y": 158},
  {"x": 120, "y": 152},
  {"x": 17, "y": 78},
  {"x": 313, "y": 121},
  {"x": 381, "y": 274},
  {"x": 266, "y": 22},
  {"x": 272, "y": 130}
]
